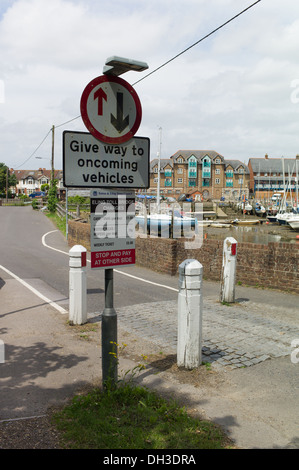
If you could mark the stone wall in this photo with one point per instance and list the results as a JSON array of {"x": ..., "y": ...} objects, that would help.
[{"x": 275, "y": 265}]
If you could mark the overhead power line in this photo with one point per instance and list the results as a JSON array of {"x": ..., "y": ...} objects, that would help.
[
  {"x": 197, "y": 42},
  {"x": 34, "y": 150}
]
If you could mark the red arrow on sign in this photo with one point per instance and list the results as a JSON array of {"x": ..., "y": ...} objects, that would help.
[{"x": 100, "y": 95}]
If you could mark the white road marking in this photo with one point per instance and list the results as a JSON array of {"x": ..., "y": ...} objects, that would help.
[
  {"x": 35, "y": 291},
  {"x": 115, "y": 270}
]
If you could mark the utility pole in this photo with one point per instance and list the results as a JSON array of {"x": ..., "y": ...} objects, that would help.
[
  {"x": 52, "y": 159},
  {"x": 7, "y": 184}
]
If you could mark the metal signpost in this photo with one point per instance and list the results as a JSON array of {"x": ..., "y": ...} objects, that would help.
[{"x": 109, "y": 156}]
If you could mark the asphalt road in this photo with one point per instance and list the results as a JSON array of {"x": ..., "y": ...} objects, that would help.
[{"x": 26, "y": 241}]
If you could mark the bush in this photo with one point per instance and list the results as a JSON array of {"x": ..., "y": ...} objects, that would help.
[
  {"x": 34, "y": 204},
  {"x": 52, "y": 197}
]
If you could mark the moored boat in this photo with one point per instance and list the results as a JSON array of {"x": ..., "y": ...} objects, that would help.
[
  {"x": 246, "y": 222},
  {"x": 161, "y": 223},
  {"x": 294, "y": 222}
]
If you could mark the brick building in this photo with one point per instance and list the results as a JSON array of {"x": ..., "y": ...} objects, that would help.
[
  {"x": 270, "y": 175},
  {"x": 200, "y": 171}
]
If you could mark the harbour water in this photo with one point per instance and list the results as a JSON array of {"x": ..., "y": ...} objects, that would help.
[{"x": 261, "y": 233}]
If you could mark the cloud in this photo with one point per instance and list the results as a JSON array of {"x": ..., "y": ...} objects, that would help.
[{"x": 231, "y": 93}]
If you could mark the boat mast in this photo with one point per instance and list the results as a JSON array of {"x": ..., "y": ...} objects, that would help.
[{"x": 159, "y": 169}]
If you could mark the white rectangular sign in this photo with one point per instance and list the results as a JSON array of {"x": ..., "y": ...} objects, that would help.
[
  {"x": 112, "y": 224},
  {"x": 90, "y": 163}
]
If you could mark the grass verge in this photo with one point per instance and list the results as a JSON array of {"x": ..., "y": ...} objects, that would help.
[
  {"x": 60, "y": 222},
  {"x": 133, "y": 417}
]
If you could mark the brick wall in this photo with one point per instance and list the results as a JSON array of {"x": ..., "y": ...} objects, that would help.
[{"x": 275, "y": 265}]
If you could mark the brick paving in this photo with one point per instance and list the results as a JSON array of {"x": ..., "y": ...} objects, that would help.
[{"x": 239, "y": 335}]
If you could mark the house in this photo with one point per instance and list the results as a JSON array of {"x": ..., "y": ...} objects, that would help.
[
  {"x": 270, "y": 175},
  {"x": 30, "y": 181}
]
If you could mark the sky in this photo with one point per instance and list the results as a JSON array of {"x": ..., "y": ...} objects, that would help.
[{"x": 236, "y": 92}]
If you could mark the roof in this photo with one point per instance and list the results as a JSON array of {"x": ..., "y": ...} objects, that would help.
[
  {"x": 272, "y": 165},
  {"x": 235, "y": 164},
  {"x": 35, "y": 174},
  {"x": 198, "y": 154},
  {"x": 163, "y": 163}
]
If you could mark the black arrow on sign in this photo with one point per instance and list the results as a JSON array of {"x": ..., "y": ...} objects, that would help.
[{"x": 119, "y": 122}]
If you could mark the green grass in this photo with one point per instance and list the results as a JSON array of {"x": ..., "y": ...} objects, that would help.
[
  {"x": 58, "y": 221},
  {"x": 133, "y": 417}
]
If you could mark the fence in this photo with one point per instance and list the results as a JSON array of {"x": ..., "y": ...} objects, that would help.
[{"x": 61, "y": 210}]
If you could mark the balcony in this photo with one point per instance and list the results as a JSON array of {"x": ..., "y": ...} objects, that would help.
[
  {"x": 205, "y": 183},
  {"x": 191, "y": 183},
  {"x": 167, "y": 173},
  {"x": 167, "y": 183},
  {"x": 192, "y": 174},
  {"x": 206, "y": 174}
]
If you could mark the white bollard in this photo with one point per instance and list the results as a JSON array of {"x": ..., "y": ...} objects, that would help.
[
  {"x": 189, "y": 342},
  {"x": 2, "y": 352},
  {"x": 228, "y": 276},
  {"x": 77, "y": 286}
]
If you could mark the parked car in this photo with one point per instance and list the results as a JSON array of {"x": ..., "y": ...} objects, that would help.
[{"x": 37, "y": 194}]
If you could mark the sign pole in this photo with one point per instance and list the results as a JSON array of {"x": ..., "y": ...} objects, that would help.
[{"x": 109, "y": 334}]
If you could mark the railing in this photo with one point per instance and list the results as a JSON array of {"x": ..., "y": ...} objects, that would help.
[{"x": 61, "y": 211}]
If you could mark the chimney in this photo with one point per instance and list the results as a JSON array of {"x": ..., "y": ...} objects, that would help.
[{"x": 266, "y": 156}]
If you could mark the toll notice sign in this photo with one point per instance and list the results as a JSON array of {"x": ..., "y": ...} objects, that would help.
[{"x": 112, "y": 222}]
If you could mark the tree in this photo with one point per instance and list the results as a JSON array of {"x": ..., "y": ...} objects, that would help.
[{"x": 12, "y": 179}]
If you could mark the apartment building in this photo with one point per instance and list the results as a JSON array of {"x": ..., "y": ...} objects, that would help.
[
  {"x": 271, "y": 175},
  {"x": 204, "y": 172}
]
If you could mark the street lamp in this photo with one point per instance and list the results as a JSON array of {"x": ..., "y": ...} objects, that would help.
[{"x": 118, "y": 65}]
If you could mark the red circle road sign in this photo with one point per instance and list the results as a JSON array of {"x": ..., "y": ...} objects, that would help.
[{"x": 111, "y": 109}]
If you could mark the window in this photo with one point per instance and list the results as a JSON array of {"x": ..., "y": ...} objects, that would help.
[
  {"x": 240, "y": 180},
  {"x": 156, "y": 169},
  {"x": 217, "y": 171},
  {"x": 180, "y": 160},
  {"x": 180, "y": 180},
  {"x": 180, "y": 171},
  {"x": 217, "y": 160},
  {"x": 155, "y": 180},
  {"x": 217, "y": 180},
  {"x": 241, "y": 170}
]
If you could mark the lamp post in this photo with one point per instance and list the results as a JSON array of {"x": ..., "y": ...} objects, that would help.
[
  {"x": 116, "y": 66},
  {"x": 159, "y": 170}
]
